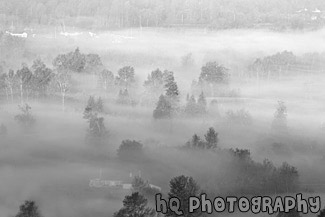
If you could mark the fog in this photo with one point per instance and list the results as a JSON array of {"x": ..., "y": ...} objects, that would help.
[{"x": 52, "y": 163}]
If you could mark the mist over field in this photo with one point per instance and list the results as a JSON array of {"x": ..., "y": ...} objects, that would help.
[{"x": 90, "y": 115}]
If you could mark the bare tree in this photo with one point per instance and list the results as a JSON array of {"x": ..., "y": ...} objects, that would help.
[{"x": 63, "y": 83}]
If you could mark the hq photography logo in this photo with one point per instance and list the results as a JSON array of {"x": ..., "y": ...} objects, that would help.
[{"x": 255, "y": 205}]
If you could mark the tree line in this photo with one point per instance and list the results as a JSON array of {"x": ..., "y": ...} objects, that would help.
[{"x": 146, "y": 13}]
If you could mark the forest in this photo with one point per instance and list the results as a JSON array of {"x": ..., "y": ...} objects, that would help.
[
  {"x": 97, "y": 126},
  {"x": 117, "y": 14}
]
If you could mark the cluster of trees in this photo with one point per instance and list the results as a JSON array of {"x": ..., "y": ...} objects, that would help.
[
  {"x": 240, "y": 117},
  {"x": 136, "y": 205},
  {"x": 213, "y": 79},
  {"x": 196, "y": 107},
  {"x": 210, "y": 142},
  {"x": 250, "y": 177},
  {"x": 256, "y": 178},
  {"x": 145, "y": 13},
  {"x": 168, "y": 102},
  {"x": 27, "y": 82},
  {"x": 285, "y": 62},
  {"x": 78, "y": 62}
]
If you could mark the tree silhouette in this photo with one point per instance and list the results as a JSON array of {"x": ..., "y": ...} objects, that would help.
[
  {"x": 135, "y": 205},
  {"x": 183, "y": 187},
  {"x": 28, "y": 209}
]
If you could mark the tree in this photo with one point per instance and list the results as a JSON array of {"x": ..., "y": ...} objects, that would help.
[
  {"x": 213, "y": 73},
  {"x": 42, "y": 76},
  {"x": 211, "y": 138},
  {"x": 170, "y": 86},
  {"x": 106, "y": 79},
  {"x": 63, "y": 83},
  {"x": 93, "y": 63},
  {"x": 196, "y": 142},
  {"x": 244, "y": 155},
  {"x": 288, "y": 177},
  {"x": 125, "y": 76},
  {"x": 143, "y": 187},
  {"x": 154, "y": 81},
  {"x": 24, "y": 78},
  {"x": 214, "y": 78},
  {"x": 135, "y": 205},
  {"x": 96, "y": 128},
  {"x": 280, "y": 117},
  {"x": 73, "y": 61},
  {"x": 202, "y": 103},
  {"x": 28, "y": 209},
  {"x": 191, "y": 107},
  {"x": 91, "y": 103},
  {"x": 163, "y": 108},
  {"x": 183, "y": 187},
  {"x": 9, "y": 81},
  {"x": 130, "y": 149},
  {"x": 154, "y": 87}
]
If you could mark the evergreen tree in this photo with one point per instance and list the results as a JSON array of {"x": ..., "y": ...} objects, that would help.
[
  {"x": 163, "y": 108},
  {"x": 202, "y": 103},
  {"x": 211, "y": 138},
  {"x": 91, "y": 103},
  {"x": 196, "y": 142},
  {"x": 183, "y": 187},
  {"x": 135, "y": 205},
  {"x": 170, "y": 85},
  {"x": 28, "y": 209}
]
